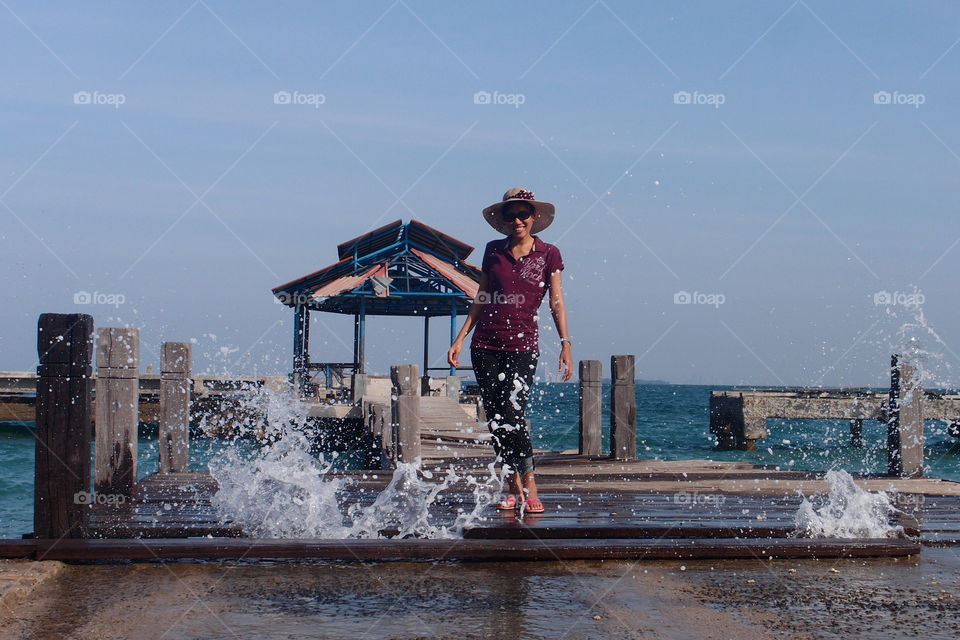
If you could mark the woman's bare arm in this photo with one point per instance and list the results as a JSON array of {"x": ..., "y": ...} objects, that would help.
[
  {"x": 559, "y": 311},
  {"x": 471, "y": 321}
]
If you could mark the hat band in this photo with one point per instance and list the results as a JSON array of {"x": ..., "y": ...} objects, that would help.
[{"x": 523, "y": 194}]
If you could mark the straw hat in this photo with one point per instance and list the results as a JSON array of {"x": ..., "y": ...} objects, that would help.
[{"x": 543, "y": 212}]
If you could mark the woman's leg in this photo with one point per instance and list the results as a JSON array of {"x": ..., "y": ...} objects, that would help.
[
  {"x": 519, "y": 368},
  {"x": 487, "y": 365}
]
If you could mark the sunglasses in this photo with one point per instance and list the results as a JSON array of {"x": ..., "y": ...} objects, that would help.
[{"x": 510, "y": 217}]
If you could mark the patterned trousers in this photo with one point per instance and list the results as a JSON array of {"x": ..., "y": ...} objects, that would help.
[{"x": 505, "y": 378}]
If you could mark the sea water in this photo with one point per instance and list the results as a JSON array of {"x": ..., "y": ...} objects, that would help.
[{"x": 672, "y": 424}]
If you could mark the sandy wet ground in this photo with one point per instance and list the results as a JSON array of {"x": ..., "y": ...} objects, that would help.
[{"x": 698, "y": 600}]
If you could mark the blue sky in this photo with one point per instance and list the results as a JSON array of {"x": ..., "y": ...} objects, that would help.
[{"x": 787, "y": 193}]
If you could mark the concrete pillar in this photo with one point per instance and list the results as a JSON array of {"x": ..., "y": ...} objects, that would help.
[
  {"x": 905, "y": 425},
  {"x": 454, "y": 385},
  {"x": 405, "y": 411}
]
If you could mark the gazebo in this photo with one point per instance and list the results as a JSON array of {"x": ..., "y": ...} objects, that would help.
[{"x": 398, "y": 269}]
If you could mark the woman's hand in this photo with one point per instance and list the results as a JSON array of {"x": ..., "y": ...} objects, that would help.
[
  {"x": 566, "y": 361},
  {"x": 453, "y": 354}
]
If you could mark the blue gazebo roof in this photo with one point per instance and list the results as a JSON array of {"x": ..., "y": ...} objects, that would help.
[{"x": 398, "y": 269}]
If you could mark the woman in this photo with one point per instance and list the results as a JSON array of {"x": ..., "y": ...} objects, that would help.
[{"x": 517, "y": 271}]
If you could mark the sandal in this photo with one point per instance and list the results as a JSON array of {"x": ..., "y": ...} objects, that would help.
[
  {"x": 508, "y": 503},
  {"x": 533, "y": 505}
]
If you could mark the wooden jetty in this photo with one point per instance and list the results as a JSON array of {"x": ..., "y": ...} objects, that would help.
[{"x": 598, "y": 506}]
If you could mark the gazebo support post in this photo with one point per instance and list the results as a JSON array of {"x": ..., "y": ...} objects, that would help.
[
  {"x": 453, "y": 331},
  {"x": 356, "y": 339},
  {"x": 361, "y": 350},
  {"x": 301, "y": 347},
  {"x": 425, "y": 378}
]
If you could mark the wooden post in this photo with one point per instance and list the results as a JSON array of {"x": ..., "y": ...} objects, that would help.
[
  {"x": 405, "y": 411},
  {"x": 174, "y": 433},
  {"x": 63, "y": 431},
  {"x": 117, "y": 411},
  {"x": 376, "y": 416},
  {"x": 905, "y": 424},
  {"x": 623, "y": 408},
  {"x": 856, "y": 432},
  {"x": 590, "y": 394}
]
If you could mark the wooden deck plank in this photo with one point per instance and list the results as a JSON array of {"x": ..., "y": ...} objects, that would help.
[
  {"x": 16, "y": 548},
  {"x": 497, "y": 550}
]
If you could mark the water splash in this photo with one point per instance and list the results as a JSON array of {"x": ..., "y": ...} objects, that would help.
[
  {"x": 849, "y": 512},
  {"x": 404, "y": 505},
  {"x": 282, "y": 491},
  {"x": 917, "y": 341}
]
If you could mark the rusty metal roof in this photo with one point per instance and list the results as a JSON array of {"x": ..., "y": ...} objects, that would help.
[
  {"x": 345, "y": 283},
  {"x": 466, "y": 284}
]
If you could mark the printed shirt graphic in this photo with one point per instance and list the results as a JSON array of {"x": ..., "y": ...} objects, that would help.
[{"x": 508, "y": 319}]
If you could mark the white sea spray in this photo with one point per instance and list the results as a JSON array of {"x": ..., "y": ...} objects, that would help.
[
  {"x": 849, "y": 512},
  {"x": 283, "y": 491}
]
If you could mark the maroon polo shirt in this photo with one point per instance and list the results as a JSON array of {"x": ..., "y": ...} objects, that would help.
[{"x": 508, "y": 317}]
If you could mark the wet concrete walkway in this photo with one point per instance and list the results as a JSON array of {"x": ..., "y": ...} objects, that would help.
[{"x": 742, "y": 599}]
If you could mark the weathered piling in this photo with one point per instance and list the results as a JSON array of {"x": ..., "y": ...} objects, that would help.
[
  {"x": 590, "y": 397},
  {"x": 174, "y": 430},
  {"x": 405, "y": 410},
  {"x": 382, "y": 450},
  {"x": 63, "y": 427},
  {"x": 117, "y": 409},
  {"x": 856, "y": 432},
  {"x": 623, "y": 408},
  {"x": 905, "y": 421}
]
